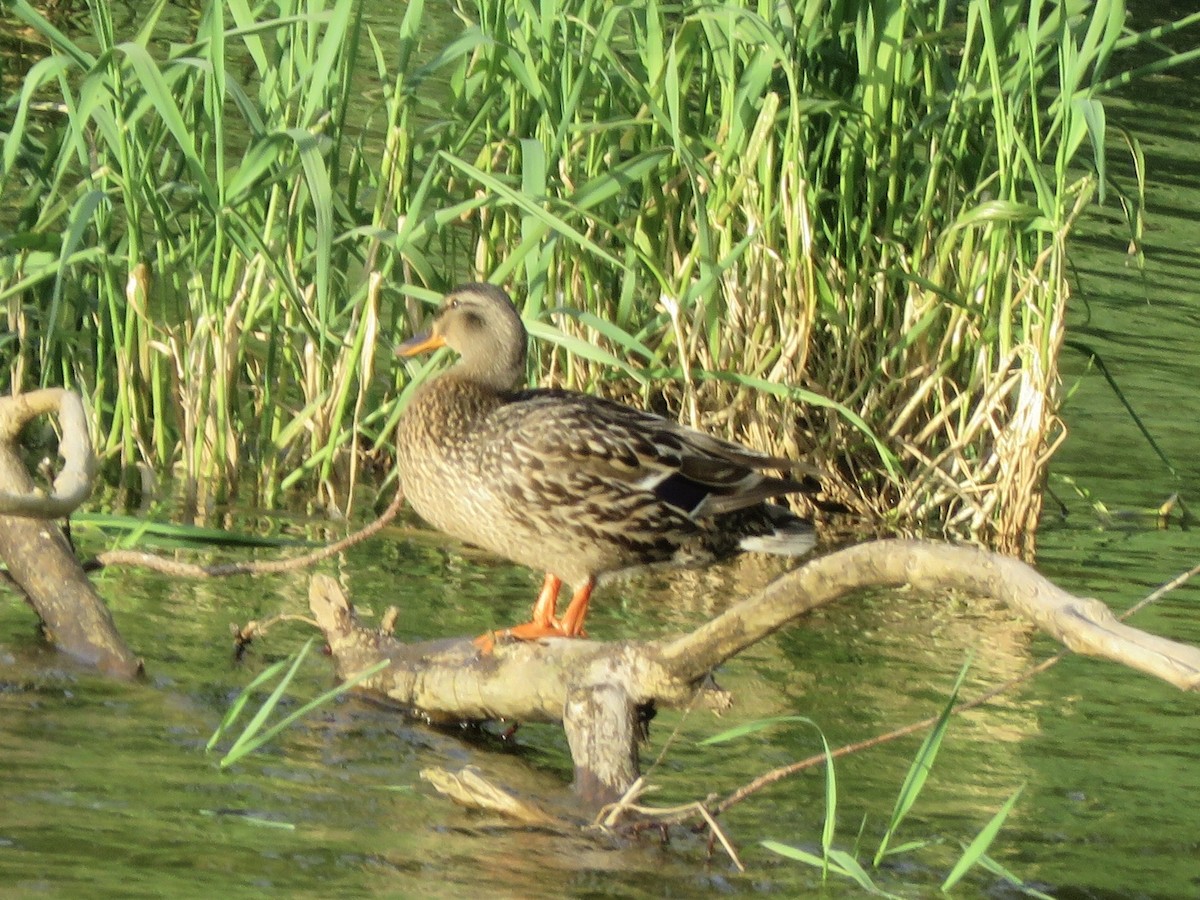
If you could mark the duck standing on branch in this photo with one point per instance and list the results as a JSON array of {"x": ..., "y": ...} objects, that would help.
[{"x": 573, "y": 485}]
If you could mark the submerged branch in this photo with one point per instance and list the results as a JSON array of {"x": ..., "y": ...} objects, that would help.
[{"x": 39, "y": 558}]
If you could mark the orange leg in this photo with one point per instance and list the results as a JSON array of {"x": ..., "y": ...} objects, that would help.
[
  {"x": 572, "y": 620},
  {"x": 543, "y": 622},
  {"x": 546, "y": 604}
]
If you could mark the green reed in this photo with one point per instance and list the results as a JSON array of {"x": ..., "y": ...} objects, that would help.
[
  {"x": 848, "y": 219},
  {"x": 255, "y": 732},
  {"x": 174, "y": 252},
  {"x": 832, "y": 229}
]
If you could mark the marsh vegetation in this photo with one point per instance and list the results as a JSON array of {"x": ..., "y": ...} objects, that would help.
[{"x": 837, "y": 230}]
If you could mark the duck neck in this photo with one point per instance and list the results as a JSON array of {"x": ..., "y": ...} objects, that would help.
[{"x": 494, "y": 366}]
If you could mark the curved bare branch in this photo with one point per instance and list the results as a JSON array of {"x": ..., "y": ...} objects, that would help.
[{"x": 74, "y": 482}]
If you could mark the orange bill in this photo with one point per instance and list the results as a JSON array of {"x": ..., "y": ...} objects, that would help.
[{"x": 421, "y": 343}]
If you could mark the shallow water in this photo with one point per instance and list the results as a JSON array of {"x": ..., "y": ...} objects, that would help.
[{"x": 105, "y": 789}]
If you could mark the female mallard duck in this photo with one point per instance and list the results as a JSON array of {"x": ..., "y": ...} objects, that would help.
[{"x": 573, "y": 485}]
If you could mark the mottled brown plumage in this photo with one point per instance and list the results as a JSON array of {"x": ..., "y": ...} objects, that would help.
[{"x": 573, "y": 485}]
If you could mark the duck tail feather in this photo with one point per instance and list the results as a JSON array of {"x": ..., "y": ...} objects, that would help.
[{"x": 788, "y": 534}]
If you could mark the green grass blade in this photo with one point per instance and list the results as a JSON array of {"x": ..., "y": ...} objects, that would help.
[
  {"x": 829, "y": 823},
  {"x": 247, "y": 30},
  {"x": 31, "y": 17},
  {"x": 748, "y": 728},
  {"x": 81, "y": 218},
  {"x": 249, "y": 819},
  {"x": 239, "y": 704},
  {"x": 800, "y": 395},
  {"x": 922, "y": 765},
  {"x": 163, "y": 99},
  {"x": 528, "y": 205},
  {"x": 979, "y": 846},
  {"x": 842, "y": 865},
  {"x": 795, "y": 853},
  {"x": 854, "y": 870},
  {"x": 995, "y": 868},
  {"x": 179, "y": 534},
  {"x": 249, "y": 734},
  {"x": 43, "y": 72},
  {"x": 316, "y": 177},
  {"x": 1095, "y": 359},
  {"x": 543, "y": 331},
  {"x": 616, "y": 334},
  {"x": 250, "y": 745}
]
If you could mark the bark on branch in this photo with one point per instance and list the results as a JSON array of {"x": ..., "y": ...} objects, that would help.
[{"x": 596, "y": 689}]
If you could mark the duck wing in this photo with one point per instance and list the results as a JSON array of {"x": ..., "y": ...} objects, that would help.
[{"x": 555, "y": 431}]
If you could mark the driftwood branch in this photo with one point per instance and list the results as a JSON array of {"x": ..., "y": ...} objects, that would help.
[
  {"x": 552, "y": 680},
  {"x": 1082, "y": 624},
  {"x": 39, "y": 558}
]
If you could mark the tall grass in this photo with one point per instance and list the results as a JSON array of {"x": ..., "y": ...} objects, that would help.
[
  {"x": 832, "y": 229},
  {"x": 174, "y": 247},
  {"x": 853, "y": 218}
]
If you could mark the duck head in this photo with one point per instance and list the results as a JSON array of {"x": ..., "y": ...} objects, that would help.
[{"x": 480, "y": 323}]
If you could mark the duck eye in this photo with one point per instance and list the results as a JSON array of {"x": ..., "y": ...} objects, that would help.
[{"x": 452, "y": 304}]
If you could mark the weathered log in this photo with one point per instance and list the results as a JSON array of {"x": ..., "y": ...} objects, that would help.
[
  {"x": 557, "y": 680},
  {"x": 40, "y": 560},
  {"x": 601, "y": 723},
  {"x": 450, "y": 681}
]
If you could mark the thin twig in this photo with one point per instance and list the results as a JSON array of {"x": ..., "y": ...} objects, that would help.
[
  {"x": 254, "y": 629},
  {"x": 675, "y": 732},
  {"x": 720, "y": 835},
  {"x": 1160, "y": 592},
  {"x": 182, "y": 569},
  {"x": 610, "y": 813}
]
